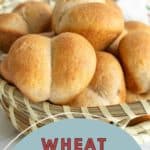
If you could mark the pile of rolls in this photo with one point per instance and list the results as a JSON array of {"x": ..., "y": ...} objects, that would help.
[
  {"x": 92, "y": 58},
  {"x": 29, "y": 17}
]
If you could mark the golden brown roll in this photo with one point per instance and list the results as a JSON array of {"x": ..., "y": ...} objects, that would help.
[
  {"x": 36, "y": 14},
  {"x": 114, "y": 46},
  {"x": 134, "y": 53},
  {"x": 12, "y": 26},
  {"x": 29, "y": 17},
  {"x": 96, "y": 20},
  {"x": 136, "y": 25},
  {"x": 107, "y": 86},
  {"x": 57, "y": 69}
]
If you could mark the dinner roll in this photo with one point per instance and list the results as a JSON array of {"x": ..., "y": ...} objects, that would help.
[
  {"x": 12, "y": 26},
  {"x": 96, "y": 20},
  {"x": 57, "y": 69},
  {"x": 36, "y": 14},
  {"x": 29, "y": 17},
  {"x": 87, "y": 98},
  {"x": 107, "y": 86},
  {"x": 134, "y": 53}
]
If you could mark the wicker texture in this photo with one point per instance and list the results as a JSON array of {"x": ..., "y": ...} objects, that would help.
[{"x": 23, "y": 113}]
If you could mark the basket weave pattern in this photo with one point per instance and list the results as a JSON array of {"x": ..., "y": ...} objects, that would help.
[{"x": 24, "y": 113}]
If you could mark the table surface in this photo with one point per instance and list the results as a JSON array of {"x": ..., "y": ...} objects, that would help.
[{"x": 7, "y": 132}]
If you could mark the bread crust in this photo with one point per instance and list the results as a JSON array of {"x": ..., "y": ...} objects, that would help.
[
  {"x": 107, "y": 86},
  {"x": 57, "y": 69},
  {"x": 28, "y": 17},
  {"x": 28, "y": 66},
  {"x": 134, "y": 53},
  {"x": 99, "y": 23},
  {"x": 36, "y": 14},
  {"x": 87, "y": 98},
  {"x": 12, "y": 26},
  {"x": 62, "y": 6},
  {"x": 133, "y": 97},
  {"x": 73, "y": 66}
]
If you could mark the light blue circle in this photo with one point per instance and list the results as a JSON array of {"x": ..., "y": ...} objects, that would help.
[{"x": 117, "y": 139}]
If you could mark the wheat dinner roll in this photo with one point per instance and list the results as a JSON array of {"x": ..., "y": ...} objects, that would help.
[
  {"x": 36, "y": 14},
  {"x": 12, "y": 26},
  {"x": 57, "y": 69},
  {"x": 29, "y": 17},
  {"x": 107, "y": 86},
  {"x": 96, "y": 20},
  {"x": 134, "y": 53}
]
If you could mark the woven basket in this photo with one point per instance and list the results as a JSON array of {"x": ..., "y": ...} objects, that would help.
[{"x": 23, "y": 113}]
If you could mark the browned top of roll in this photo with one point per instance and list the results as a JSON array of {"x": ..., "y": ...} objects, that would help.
[
  {"x": 12, "y": 26},
  {"x": 99, "y": 22},
  {"x": 57, "y": 69},
  {"x": 36, "y": 14}
]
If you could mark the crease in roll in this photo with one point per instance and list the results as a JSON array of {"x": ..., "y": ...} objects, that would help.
[
  {"x": 107, "y": 86},
  {"x": 27, "y": 17},
  {"x": 43, "y": 68},
  {"x": 130, "y": 26}
]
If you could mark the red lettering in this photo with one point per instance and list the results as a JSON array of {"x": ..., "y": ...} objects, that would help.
[
  {"x": 101, "y": 143},
  {"x": 49, "y": 145},
  {"x": 78, "y": 144},
  {"x": 66, "y": 145},
  {"x": 90, "y": 145}
]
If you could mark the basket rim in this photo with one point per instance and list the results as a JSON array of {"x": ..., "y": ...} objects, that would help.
[
  {"x": 22, "y": 113},
  {"x": 4, "y": 82},
  {"x": 14, "y": 97}
]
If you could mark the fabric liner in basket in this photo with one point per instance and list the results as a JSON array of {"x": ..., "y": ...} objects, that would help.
[{"x": 23, "y": 113}]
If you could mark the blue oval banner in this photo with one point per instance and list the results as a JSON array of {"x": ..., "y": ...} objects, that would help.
[{"x": 78, "y": 134}]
